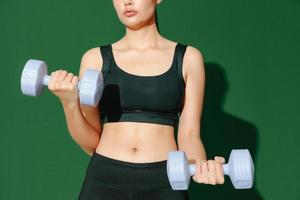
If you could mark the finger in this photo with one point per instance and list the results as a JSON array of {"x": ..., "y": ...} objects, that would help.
[
  {"x": 61, "y": 75},
  {"x": 51, "y": 77},
  {"x": 204, "y": 173},
  {"x": 52, "y": 80},
  {"x": 220, "y": 173},
  {"x": 54, "y": 75},
  {"x": 197, "y": 172},
  {"x": 75, "y": 80},
  {"x": 220, "y": 159},
  {"x": 211, "y": 172},
  {"x": 69, "y": 77}
]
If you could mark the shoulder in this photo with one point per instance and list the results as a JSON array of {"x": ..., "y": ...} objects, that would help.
[
  {"x": 193, "y": 61},
  {"x": 193, "y": 56},
  {"x": 91, "y": 59}
]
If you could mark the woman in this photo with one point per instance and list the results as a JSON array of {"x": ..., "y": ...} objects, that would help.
[{"x": 151, "y": 84}]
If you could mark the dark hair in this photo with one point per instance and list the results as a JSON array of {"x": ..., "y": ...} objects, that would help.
[{"x": 156, "y": 20}]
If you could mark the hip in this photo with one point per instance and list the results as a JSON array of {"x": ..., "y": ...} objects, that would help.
[{"x": 108, "y": 178}]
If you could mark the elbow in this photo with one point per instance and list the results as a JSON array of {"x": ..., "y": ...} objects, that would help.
[
  {"x": 89, "y": 150},
  {"x": 90, "y": 153}
]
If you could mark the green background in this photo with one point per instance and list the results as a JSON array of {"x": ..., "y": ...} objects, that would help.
[{"x": 251, "y": 50}]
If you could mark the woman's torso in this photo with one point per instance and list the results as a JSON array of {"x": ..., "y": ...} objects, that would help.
[{"x": 139, "y": 142}]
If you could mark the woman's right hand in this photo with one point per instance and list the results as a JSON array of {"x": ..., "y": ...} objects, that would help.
[{"x": 64, "y": 86}]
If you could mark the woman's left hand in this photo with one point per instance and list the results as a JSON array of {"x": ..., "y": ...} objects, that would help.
[{"x": 210, "y": 171}]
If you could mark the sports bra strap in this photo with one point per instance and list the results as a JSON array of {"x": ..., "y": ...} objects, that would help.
[
  {"x": 179, "y": 59},
  {"x": 106, "y": 57},
  {"x": 181, "y": 48}
]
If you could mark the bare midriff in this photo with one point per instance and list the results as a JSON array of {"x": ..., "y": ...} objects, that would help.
[{"x": 136, "y": 142}]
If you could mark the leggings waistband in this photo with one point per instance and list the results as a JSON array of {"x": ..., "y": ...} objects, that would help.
[
  {"x": 162, "y": 163},
  {"x": 103, "y": 170}
]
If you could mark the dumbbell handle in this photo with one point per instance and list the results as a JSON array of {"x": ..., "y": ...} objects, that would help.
[
  {"x": 46, "y": 80},
  {"x": 192, "y": 169}
]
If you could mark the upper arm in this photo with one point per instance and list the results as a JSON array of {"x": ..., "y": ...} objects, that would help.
[
  {"x": 189, "y": 121},
  {"x": 91, "y": 59}
]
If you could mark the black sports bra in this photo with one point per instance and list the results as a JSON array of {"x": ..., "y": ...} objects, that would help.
[{"x": 150, "y": 99}]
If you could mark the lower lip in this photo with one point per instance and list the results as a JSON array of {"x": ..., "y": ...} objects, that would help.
[{"x": 130, "y": 14}]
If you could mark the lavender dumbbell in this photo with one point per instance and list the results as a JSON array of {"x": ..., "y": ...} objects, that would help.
[
  {"x": 34, "y": 78},
  {"x": 240, "y": 169}
]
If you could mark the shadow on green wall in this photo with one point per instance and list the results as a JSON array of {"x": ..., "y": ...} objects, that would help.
[{"x": 221, "y": 132}]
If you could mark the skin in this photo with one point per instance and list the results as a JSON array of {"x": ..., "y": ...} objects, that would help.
[{"x": 135, "y": 141}]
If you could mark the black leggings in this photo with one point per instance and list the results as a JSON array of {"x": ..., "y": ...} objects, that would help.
[{"x": 110, "y": 179}]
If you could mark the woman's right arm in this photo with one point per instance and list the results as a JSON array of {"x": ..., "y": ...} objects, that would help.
[{"x": 83, "y": 122}]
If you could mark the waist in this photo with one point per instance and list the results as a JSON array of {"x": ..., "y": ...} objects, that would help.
[{"x": 136, "y": 142}]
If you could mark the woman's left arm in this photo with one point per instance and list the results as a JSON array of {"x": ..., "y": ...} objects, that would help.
[{"x": 189, "y": 137}]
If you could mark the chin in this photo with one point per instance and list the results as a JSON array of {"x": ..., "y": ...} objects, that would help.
[{"x": 133, "y": 25}]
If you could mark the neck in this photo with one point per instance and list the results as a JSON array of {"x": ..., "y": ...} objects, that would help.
[{"x": 142, "y": 38}]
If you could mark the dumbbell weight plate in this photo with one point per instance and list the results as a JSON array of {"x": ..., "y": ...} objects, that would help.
[
  {"x": 32, "y": 78},
  {"x": 91, "y": 87}
]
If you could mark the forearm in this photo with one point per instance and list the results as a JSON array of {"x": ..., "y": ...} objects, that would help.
[
  {"x": 193, "y": 148},
  {"x": 81, "y": 131}
]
